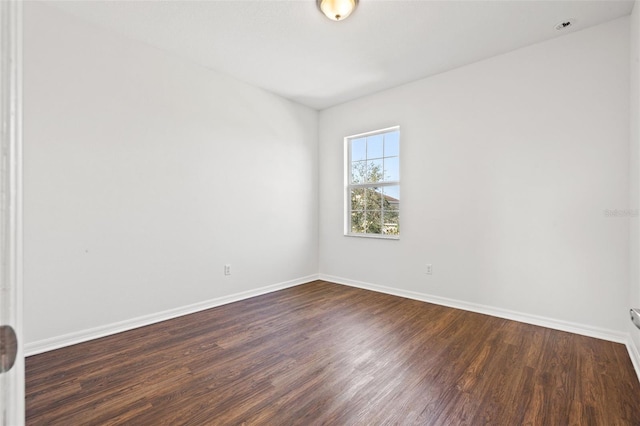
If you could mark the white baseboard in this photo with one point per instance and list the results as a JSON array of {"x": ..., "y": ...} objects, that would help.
[
  {"x": 57, "y": 342},
  {"x": 634, "y": 354},
  {"x": 585, "y": 330}
]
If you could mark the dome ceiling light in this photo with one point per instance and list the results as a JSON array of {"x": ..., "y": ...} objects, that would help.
[{"x": 337, "y": 10}]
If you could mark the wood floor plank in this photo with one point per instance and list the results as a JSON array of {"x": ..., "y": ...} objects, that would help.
[{"x": 322, "y": 353}]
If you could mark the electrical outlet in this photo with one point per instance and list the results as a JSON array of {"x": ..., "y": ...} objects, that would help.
[
  {"x": 429, "y": 269},
  {"x": 227, "y": 269}
]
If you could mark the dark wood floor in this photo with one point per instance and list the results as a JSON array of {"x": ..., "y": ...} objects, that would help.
[{"x": 322, "y": 353}]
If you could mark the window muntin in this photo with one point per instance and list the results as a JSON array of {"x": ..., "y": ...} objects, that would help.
[{"x": 373, "y": 184}]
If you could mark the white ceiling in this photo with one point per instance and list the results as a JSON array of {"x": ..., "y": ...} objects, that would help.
[{"x": 291, "y": 49}]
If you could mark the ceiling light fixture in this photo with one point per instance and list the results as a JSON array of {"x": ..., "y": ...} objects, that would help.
[{"x": 337, "y": 10}]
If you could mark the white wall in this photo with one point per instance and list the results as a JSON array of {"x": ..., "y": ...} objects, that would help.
[
  {"x": 145, "y": 174},
  {"x": 634, "y": 162},
  {"x": 507, "y": 167}
]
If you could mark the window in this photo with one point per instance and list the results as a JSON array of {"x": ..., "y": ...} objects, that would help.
[{"x": 372, "y": 176}]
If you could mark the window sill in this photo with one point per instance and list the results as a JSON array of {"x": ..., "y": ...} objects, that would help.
[{"x": 376, "y": 236}]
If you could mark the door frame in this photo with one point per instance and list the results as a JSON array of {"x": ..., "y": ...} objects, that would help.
[{"x": 12, "y": 401}]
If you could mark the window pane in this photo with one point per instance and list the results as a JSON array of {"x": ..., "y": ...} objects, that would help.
[
  {"x": 391, "y": 206},
  {"x": 357, "y": 222},
  {"x": 374, "y": 221},
  {"x": 375, "y": 171},
  {"x": 391, "y": 223},
  {"x": 373, "y": 199},
  {"x": 359, "y": 149},
  {"x": 357, "y": 199},
  {"x": 391, "y": 197},
  {"x": 358, "y": 172},
  {"x": 392, "y": 168},
  {"x": 375, "y": 146},
  {"x": 392, "y": 144}
]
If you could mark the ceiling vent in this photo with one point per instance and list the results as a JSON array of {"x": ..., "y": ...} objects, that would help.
[{"x": 564, "y": 24}]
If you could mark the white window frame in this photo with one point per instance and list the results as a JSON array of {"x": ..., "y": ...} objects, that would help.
[{"x": 348, "y": 185}]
